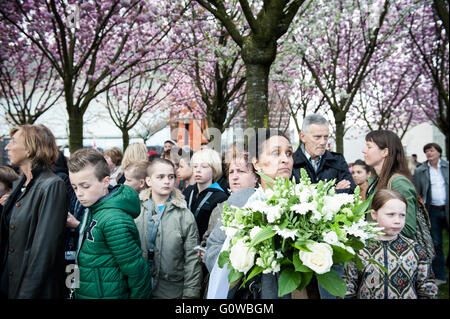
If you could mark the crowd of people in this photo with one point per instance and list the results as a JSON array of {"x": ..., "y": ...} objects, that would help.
[{"x": 138, "y": 224}]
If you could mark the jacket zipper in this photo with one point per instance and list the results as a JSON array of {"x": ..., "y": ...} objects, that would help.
[
  {"x": 386, "y": 278},
  {"x": 99, "y": 281}
]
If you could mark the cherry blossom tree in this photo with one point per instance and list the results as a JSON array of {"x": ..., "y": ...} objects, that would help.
[
  {"x": 386, "y": 99},
  {"x": 92, "y": 43},
  {"x": 128, "y": 102},
  {"x": 267, "y": 22},
  {"x": 428, "y": 35},
  {"x": 28, "y": 84},
  {"x": 292, "y": 86},
  {"x": 337, "y": 41},
  {"x": 210, "y": 78}
]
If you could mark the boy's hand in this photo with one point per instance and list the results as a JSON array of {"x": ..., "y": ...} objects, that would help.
[
  {"x": 200, "y": 254},
  {"x": 72, "y": 222},
  {"x": 3, "y": 199}
]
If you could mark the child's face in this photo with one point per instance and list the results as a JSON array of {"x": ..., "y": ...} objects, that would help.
[
  {"x": 87, "y": 187},
  {"x": 162, "y": 180},
  {"x": 135, "y": 183},
  {"x": 359, "y": 174},
  {"x": 203, "y": 173},
  {"x": 391, "y": 216}
]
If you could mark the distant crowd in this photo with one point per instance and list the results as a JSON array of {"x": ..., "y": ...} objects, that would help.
[{"x": 139, "y": 224}]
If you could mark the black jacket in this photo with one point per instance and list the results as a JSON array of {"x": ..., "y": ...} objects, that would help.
[
  {"x": 332, "y": 165},
  {"x": 32, "y": 230},
  {"x": 194, "y": 199}
]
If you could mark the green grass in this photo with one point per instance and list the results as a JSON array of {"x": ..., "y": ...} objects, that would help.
[{"x": 443, "y": 289}]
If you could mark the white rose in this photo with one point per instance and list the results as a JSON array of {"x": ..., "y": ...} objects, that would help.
[
  {"x": 320, "y": 259},
  {"x": 242, "y": 257}
]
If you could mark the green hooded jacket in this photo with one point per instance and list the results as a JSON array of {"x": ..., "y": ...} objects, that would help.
[{"x": 110, "y": 258}]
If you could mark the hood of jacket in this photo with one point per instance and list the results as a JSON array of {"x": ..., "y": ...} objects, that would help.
[
  {"x": 176, "y": 197},
  {"x": 121, "y": 197}
]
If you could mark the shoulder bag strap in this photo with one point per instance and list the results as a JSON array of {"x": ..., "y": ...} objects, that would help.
[
  {"x": 208, "y": 195},
  {"x": 389, "y": 184}
]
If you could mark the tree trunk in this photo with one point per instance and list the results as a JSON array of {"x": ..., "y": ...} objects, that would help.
[
  {"x": 75, "y": 129},
  {"x": 339, "y": 120},
  {"x": 125, "y": 139},
  {"x": 340, "y": 127},
  {"x": 258, "y": 57},
  {"x": 257, "y": 91}
]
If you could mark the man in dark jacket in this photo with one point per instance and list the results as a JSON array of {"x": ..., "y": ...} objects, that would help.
[{"x": 319, "y": 163}]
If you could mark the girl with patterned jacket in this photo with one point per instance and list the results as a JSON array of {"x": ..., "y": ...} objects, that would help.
[{"x": 408, "y": 271}]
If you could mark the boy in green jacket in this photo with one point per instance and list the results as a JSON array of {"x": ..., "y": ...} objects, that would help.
[{"x": 108, "y": 254}]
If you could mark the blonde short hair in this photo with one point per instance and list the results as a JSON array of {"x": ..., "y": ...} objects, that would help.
[
  {"x": 137, "y": 170},
  {"x": 135, "y": 152},
  {"x": 210, "y": 157}
]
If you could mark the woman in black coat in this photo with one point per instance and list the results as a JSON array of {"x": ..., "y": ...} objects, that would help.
[{"x": 32, "y": 225}]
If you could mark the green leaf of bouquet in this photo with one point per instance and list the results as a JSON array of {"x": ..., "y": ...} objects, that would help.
[
  {"x": 298, "y": 263},
  {"x": 373, "y": 261},
  {"x": 266, "y": 178},
  {"x": 306, "y": 278},
  {"x": 340, "y": 255},
  {"x": 289, "y": 281},
  {"x": 332, "y": 283},
  {"x": 301, "y": 245},
  {"x": 234, "y": 275},
  {"x": 223, "y": 258},
  {"x": 363, "y": 207},
  {"x": 358, "y": 262},
  {"x": 355, "y": 244},
  {"x": 263, "y": 234}
]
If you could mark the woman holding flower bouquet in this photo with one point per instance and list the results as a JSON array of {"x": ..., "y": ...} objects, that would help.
[
  {"x": 264, "y": 247},
  {"x": 271, "y": 155}
]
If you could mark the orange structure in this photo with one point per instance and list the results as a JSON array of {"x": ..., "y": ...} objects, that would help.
[{"x": 186, "y": 130}]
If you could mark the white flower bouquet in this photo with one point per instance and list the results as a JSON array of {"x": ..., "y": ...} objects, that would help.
[{"x": 297, "y": 230}]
